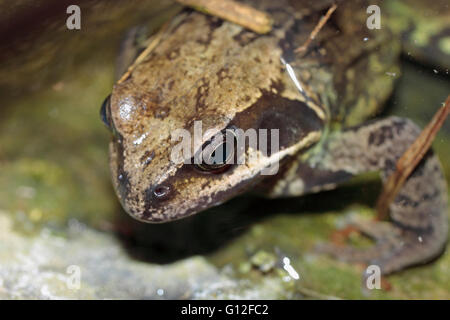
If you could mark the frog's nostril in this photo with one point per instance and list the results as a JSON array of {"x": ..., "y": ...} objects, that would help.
[{"x": 161, "y": 192}]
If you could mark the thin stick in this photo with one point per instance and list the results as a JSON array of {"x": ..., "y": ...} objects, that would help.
[
  {"x": 410, "y": 159},
  {"x": 317, "y": 29},
  {"x": 233, "y": 11}
]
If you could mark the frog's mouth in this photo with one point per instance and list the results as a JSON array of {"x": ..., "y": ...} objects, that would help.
[{"x": 118, "y": 174}]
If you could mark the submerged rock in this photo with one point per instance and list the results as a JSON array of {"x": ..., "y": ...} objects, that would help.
[{"x": 87, "y": 264}]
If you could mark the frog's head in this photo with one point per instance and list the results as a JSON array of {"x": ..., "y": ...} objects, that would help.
[{"x": 181, "y": 86}]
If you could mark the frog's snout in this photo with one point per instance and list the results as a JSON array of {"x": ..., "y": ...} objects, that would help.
[{"x": 154, "y": 207}]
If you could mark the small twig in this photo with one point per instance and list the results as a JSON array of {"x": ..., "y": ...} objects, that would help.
[
  {"x": 317, "y": 29},
  {"x": 410, "y": 159},
  {"x": 233, "y": 11},
  {"x": 152, "y": 45}
]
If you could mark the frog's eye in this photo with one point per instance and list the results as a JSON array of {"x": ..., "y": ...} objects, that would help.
[
  {"x": 217, "y": 154},
  {"x": 105, "y": 113}
]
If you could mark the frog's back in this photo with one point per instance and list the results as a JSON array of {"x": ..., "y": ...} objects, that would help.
[{"x": 348, "y": 69}]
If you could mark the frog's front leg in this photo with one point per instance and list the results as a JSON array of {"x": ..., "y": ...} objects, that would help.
[{"x": 418, "y": 227}]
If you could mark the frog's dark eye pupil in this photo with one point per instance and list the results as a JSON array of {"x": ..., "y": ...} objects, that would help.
[
  {"x": 220, "y": 155},
  {"x": 105, "y": 112},
  {"x": 217, "y": 155}
]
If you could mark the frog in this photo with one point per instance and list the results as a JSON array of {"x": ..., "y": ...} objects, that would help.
[{"x": 322, "y": 103}]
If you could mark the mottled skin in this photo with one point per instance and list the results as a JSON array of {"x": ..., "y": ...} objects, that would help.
[
  {"x": 424, "y": 28},
  {"x": 217, "y": 72}
]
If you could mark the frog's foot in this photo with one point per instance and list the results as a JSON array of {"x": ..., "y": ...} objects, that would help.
[
  {"x": 418, "y": 227},
  {"x": 394, "y": 247}
]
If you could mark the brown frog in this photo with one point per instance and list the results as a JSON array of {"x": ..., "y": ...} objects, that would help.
[{"x": 209, "y": 70}]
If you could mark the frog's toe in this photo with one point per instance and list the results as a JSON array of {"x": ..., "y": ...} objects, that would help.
[
  {"x": 374, "y": 230},
  {"x": 349, "y": 253},
  {"x": 395, "y": 247},
  {"x": 384, "y": 234},
  {"x": 379, "y": 231}
]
